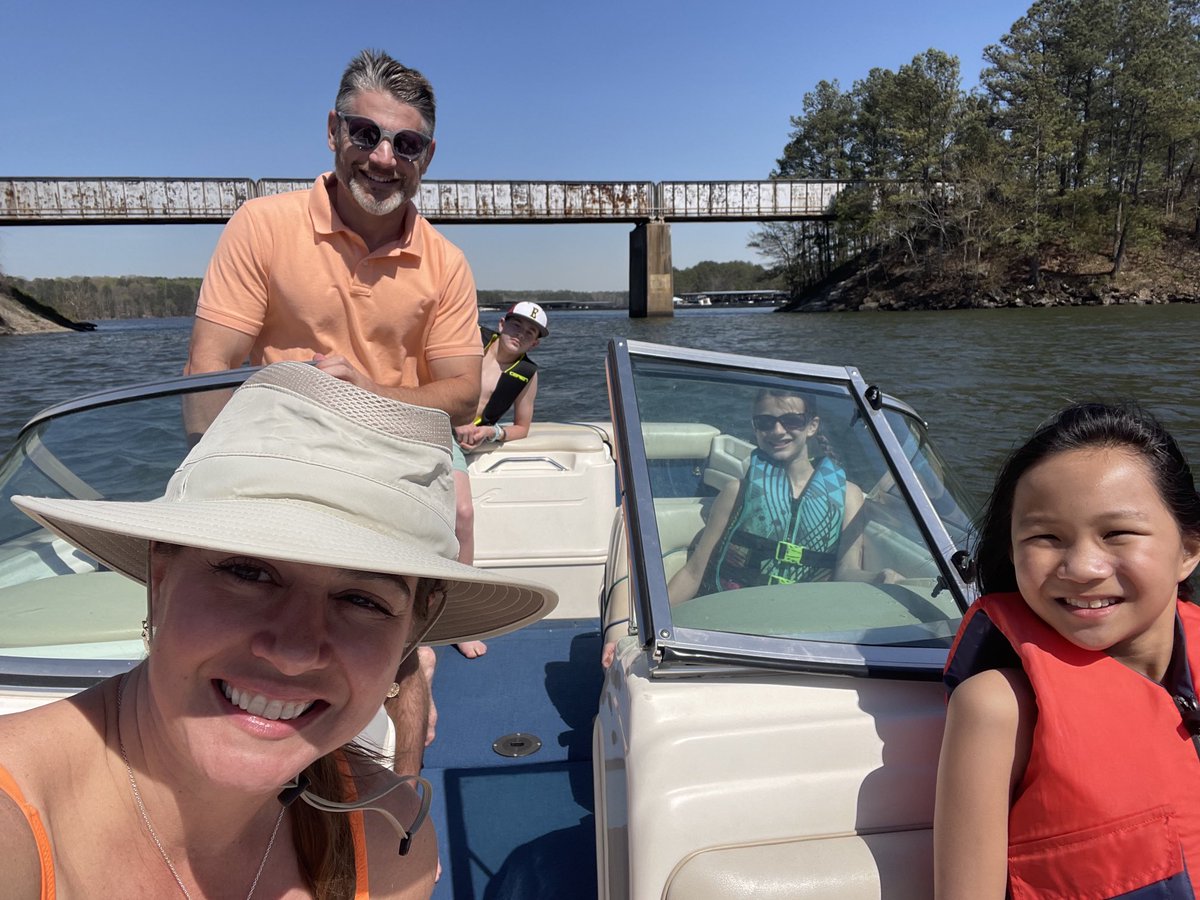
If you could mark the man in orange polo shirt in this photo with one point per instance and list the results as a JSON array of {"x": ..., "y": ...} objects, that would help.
[
  {"x": 349, "y": 271},
  {"x": 349, "y": 274}
]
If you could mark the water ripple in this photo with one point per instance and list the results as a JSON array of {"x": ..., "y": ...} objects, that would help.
[{"x": 982, "y": 379}]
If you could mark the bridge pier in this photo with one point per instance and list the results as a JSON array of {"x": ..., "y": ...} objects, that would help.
[{"x": 651, "y": 289}]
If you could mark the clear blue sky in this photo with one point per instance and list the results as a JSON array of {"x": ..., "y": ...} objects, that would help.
[{"x": 656, "y": 90}]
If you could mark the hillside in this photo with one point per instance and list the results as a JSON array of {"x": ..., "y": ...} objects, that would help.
[
  {"x": 894, "y": 281},
  {"x": 22, "y": 314}
]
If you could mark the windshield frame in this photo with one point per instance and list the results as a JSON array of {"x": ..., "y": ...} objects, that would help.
[{"x": 676, "y": 650}]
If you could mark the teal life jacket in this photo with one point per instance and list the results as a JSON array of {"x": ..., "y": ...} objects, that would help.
[
  {"x": 773, "y": 538},
  {"x": 514, "y": 379}
]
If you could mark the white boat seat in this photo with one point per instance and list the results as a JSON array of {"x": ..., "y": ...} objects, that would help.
[
  {"x": 90, "y": 608},
  {"x": 849, "y": 867},
  {"x": 678, "y": 440},
  {"x": 540, "y": 507}
]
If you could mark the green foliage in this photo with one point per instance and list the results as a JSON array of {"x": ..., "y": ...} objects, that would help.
[
  {"x": 1083, "y": 138},
  {"x": 86, "y": 298},
  {"x": 723, "y": 276}
]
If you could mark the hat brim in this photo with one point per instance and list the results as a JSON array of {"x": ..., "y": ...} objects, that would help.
[{"x": 117, "y": 534}]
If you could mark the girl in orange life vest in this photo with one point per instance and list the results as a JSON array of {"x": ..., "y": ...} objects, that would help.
[{"x": 1069, "y": 767}]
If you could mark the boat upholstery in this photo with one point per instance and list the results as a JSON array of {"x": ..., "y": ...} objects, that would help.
[
  {"x": 765, "y": 784},
  {"x": 529, "y": 496},
  {"x": 849, "y": 867}
]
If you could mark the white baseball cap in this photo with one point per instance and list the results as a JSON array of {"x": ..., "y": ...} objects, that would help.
[{"x": 531, "y": 312}]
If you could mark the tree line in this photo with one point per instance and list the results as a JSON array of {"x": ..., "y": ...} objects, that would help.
[
  {"x": 1080, "y": 143},
  {"x": 86, "y": 297}
]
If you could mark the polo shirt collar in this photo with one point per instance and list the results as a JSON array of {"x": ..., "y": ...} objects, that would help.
[{"x": 326, "y": 221}]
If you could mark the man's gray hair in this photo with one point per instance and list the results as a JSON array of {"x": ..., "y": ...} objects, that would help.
[{"x": 374, "y": 70}]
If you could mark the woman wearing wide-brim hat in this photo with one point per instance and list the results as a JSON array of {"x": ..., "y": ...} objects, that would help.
[{"x": 301, "y": 551}]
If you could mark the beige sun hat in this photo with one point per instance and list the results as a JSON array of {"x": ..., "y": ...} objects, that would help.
[{"x": 303, "y": 467}]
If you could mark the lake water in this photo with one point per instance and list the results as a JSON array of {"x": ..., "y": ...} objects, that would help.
[{"x": 982, "y": 378}]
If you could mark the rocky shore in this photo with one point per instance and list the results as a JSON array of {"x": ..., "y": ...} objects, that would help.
[
  {"x": 22, "y": 314},
  {"x": 870, "y": 289}
]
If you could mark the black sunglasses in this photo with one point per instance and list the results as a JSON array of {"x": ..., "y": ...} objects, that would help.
[
  {"x": 365, "y": 134},
  {"x": 789, "y": 421}
]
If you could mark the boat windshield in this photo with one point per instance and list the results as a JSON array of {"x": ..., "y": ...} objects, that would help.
[
  {"x": 122, "y": 447},
  {"x": 787, "y": 505}
]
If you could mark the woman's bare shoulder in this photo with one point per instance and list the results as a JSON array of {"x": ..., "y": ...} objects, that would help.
[
  {"x": 39, "y": 747},
  {"x": 41, "y": 750}
]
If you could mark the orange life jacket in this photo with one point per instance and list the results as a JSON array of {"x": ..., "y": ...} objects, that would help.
[{"x": 1109, "y": 805}]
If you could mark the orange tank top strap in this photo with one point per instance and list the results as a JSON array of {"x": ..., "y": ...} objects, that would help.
[
  {"x": 358, "y": 831},
  {"x": 45, "y": 857}
]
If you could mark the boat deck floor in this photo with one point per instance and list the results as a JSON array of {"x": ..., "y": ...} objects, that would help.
[{"x": 517, "y": 827}]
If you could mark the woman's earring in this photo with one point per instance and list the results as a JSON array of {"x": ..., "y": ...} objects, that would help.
[
  {"x": 146, "y": 635},
  {"x": 393, "y": 691}
]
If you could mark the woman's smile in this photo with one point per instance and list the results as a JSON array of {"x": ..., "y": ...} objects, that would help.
[{"x": 265, "y": 707}]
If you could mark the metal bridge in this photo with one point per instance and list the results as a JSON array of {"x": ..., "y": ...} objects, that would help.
[
  {"x": 123, "y": 201},
  {"x": 650, "y": 206}
]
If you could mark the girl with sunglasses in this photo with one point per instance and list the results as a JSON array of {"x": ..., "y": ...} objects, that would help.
[{"x": 787, "y": 520}]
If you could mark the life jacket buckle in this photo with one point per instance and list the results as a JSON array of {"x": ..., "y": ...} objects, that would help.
[{"x": 786, "y": 552}]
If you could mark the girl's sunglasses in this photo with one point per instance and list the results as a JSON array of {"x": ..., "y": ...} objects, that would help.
[
  {"x": 365, "y": 134},
  {"x": 789, "y": 421}
]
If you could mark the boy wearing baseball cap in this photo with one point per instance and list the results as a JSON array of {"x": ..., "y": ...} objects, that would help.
[{"x": 509, "y": 380}]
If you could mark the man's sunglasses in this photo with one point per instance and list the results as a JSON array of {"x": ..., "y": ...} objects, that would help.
[
  {"x": 789, "y": 421},
  {"x": 365, "y": 134}
]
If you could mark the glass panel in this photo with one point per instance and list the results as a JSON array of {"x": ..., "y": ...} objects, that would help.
[
  {"x": 954, "y": 505},
  {"x": 124, "y": 451},
  {"x": 778, "y": 514}
]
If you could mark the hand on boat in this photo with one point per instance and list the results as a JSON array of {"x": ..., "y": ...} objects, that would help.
[
  {"x": 608, "y": 654},
  {"x": 340, "y": 367},
  {"x": 469, "y": 437}
]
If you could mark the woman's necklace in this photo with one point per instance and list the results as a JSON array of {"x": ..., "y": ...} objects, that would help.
[{"x": 137, "y": 799}]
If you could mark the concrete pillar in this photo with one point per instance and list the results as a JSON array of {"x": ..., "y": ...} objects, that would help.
[{"x": 651, "y": 289}]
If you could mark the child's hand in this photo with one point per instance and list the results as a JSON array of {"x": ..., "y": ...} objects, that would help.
[{"x": 469, "y": 437}]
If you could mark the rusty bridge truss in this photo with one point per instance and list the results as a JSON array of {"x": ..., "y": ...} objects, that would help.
[{"x": 123, "y": 201}]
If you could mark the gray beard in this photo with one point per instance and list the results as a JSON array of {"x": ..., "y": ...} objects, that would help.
[{"x": 377, "y": 207}]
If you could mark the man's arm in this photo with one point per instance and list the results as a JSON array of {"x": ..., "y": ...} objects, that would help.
[
  {"x": 215, "y": 348},
  {"x": 454, "y": 388}
]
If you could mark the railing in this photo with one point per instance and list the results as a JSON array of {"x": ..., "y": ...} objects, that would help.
[{"x": 74, "y": 201}]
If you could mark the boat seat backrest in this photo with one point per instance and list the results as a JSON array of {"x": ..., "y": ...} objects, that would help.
[
  {"x": 679, "y": 520},
  {"x": 728, "y": 459},
  {"x": 678, "y": 440},
  {"x": 559, "y": 437}
]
